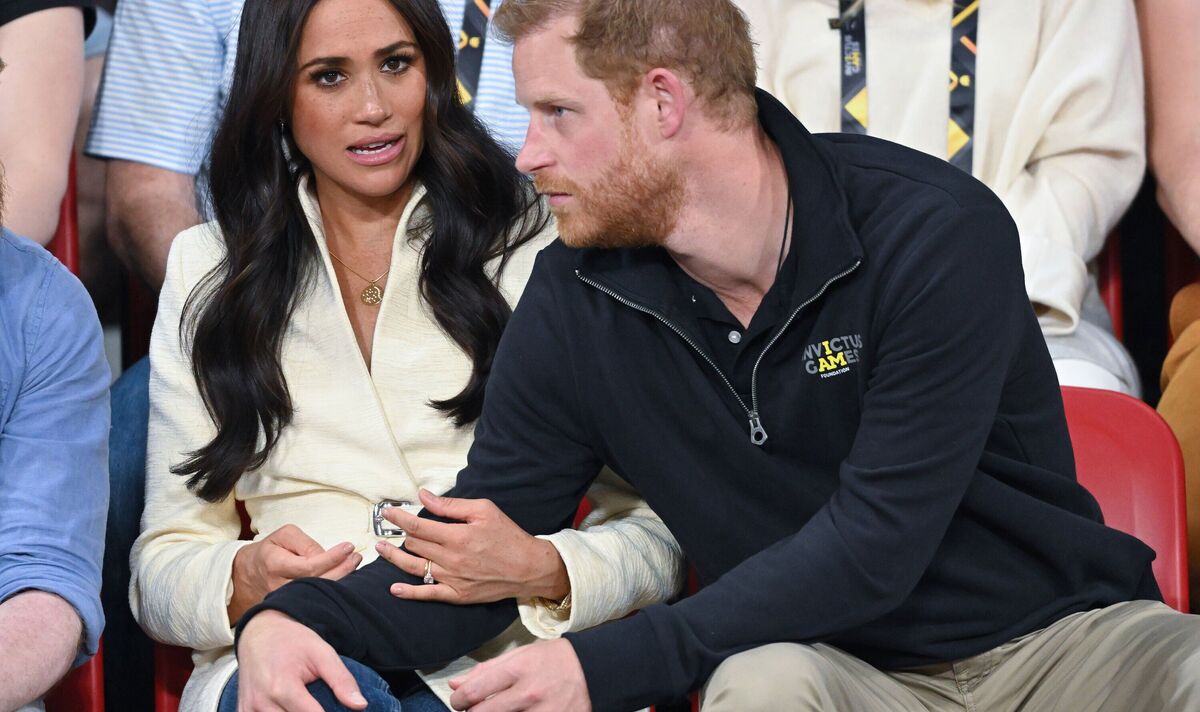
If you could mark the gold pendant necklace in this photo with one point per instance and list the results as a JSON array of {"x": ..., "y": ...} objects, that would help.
[{"x": 372, "y": 294}]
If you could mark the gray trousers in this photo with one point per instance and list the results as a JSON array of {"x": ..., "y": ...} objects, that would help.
[{"x": 1139, "y": 656}]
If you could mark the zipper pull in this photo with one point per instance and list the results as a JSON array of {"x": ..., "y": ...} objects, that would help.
[{"x": 758, "y": 434}]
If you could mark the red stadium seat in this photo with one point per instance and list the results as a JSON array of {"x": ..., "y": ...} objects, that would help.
[
  {"x": 1127, "y": 457},
  {"x": 65, "y": 244},
  {"x": 172, "y": 668},
  {"x": 83, "y": 689},
  {"x": 1108, "y": 278}
]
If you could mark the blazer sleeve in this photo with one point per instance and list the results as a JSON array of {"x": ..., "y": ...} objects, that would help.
[
  {"x": 183, "y": 560},
  {"x": 621, "y": 558},
  {"x": 1081, "y": 156}
]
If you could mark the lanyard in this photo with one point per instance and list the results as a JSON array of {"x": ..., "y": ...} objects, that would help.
[
  {"x": 964, "y": 34},
  {"x": 470, "y": 49}
]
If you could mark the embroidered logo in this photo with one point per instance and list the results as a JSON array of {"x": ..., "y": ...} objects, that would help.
[{"x": 832, "y": 357}]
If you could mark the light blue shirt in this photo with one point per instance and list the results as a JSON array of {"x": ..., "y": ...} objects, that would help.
[
  {"x": 53, "y": 434},
  {"x": 170, "y": 66}
]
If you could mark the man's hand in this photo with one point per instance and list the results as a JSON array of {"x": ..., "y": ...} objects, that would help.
[
  {"x": 278, "y": 658},
  {"x": 287, "y": 553},
  {"x": 486, "y": 558},
  {"x": 542, "y": 677}
]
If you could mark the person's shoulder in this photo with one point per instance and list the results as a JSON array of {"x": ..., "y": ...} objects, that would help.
[
  {"x": 39, "y": 287},
  {"x": 890, "y": 169},
  {"x": 195, "y": 251},
  {"x": 26, "y": 267},
  {"x": 20, "y": 255}
]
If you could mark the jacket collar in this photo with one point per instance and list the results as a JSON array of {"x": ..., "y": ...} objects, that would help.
[{"x": 825, "y": 242}]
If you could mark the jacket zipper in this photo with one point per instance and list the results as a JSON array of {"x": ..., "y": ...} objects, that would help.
[{"x": 758, "y": 434}]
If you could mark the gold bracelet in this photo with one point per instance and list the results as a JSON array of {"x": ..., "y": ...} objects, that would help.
[{"x": 557, "y": 606}]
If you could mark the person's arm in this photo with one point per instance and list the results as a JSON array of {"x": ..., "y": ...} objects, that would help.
[
  {"x": 1172, "y": 108},
  {"x": 622, "y": 558},
  {"x": 146, "y": 207},
  {"x": 532, "y": 457},
  {"x": 40, "y": 635},
  {"x": 181, "y": 563},
  {"x": 40, "y": 93},
  {"x": 1081, "y": 113},
  {"x": 157, "y": 109},
  {"x": 53, "y": 492}
]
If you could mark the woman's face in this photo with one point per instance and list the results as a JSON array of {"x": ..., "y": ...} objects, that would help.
[{"x": 359, "y": 98}]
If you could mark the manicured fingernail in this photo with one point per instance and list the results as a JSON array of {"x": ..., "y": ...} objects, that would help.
[
  {"x": 357, "y": 698},
  {"x": 347, "y": 547},
  {"x": 397, "y": 589},
  {"x": 380, "y": 546}
]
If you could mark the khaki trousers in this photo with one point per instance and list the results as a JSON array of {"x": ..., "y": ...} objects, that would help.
[{"x": 1130, "y": 657}]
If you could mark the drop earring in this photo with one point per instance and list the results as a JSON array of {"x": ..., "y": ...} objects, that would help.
[{"x": 286, "y": 149}]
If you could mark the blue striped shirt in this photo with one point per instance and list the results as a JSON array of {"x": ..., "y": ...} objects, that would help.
[{"x": 170, "y": 66}]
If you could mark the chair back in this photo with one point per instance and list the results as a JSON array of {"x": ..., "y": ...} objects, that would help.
[
  {"x": 65, "y": 243},
  {"x": 1128, "y": 458}
]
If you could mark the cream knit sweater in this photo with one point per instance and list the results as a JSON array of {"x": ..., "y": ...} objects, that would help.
[
  {"x": 1059, "y": 111},
  {"x": 358, "y": 437}
]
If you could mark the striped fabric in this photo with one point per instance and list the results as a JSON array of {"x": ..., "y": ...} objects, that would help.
[
  {"x": 170, "y": 65},
  {"x": 495, "y": 99},
  {"x": 166, "y": 78}
]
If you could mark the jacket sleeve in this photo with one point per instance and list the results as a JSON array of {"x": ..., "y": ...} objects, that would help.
[
  {"x": 530, "y": 456},
  {"x": 182, "y": 562},
  {"x": 621, "y": 558},
  {"x": 936, "y": 375},
  {"x": 1079, "y": 157}
]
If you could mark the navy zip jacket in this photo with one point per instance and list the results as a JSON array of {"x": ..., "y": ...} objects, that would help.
[{"x": 914, "y": 501}]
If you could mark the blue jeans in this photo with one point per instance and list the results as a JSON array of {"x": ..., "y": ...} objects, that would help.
[
  {"x": 128, "y": 653},
  {"x": 370, "y": 684}
]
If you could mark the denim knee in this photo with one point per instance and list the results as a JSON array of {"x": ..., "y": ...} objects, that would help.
[{"x": 370, "y": 684}]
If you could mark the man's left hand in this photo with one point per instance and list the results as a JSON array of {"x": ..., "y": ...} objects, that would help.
[
  {"x": 485, "y": 558},
  {"x": 542, "y": 677}
]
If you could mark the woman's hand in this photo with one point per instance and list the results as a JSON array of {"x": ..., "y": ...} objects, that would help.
[
  {"x": 485, "y": 558},
  {"x": 285, "y": 554}
]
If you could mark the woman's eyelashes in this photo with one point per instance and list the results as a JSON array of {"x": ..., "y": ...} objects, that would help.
[
  {"x": 328, "y": 77},
  {"x": 397, "y": 63}
]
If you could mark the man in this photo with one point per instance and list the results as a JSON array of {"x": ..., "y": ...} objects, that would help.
[
  {"x": 815, "y": 358},
  {"x": 53, "y": 481}
]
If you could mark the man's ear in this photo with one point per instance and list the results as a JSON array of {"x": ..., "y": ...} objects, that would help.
[{"x": 672, "y": 98}]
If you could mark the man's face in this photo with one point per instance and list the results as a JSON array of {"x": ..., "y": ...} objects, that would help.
[{"x": 588, "y": 154}]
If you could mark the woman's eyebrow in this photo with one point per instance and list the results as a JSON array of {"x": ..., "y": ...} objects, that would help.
[{"x": 381, "y": 52}]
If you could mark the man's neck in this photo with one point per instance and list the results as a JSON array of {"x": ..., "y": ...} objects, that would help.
[{"x": 731, "y": 230}]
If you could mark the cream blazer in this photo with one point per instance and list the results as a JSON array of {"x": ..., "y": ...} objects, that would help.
[
  {"x": 357, "y": 437},
  {"x": 1059, "y": 114}
]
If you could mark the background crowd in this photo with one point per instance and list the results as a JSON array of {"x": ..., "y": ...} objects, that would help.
[{"x": 1076, "y": 113}]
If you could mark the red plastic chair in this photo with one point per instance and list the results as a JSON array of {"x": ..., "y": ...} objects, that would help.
[
  {"x": 65, "y": 243},
  {"x": 83, "y": 689},
  {"x": 1128, "y": 458},
  {"x": 1108, "y": 278}
]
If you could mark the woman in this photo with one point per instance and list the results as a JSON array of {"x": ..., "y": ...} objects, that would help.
[{"x": 322, "y": 348}]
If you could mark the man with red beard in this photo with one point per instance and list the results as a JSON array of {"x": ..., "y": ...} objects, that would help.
[{"x": 815, "y": 359}]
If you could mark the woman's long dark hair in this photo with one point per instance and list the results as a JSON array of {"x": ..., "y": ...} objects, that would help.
[{"x": 480, "y": 208}]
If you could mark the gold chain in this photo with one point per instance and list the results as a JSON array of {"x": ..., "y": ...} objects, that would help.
[{"x": 372, "y": 294}]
